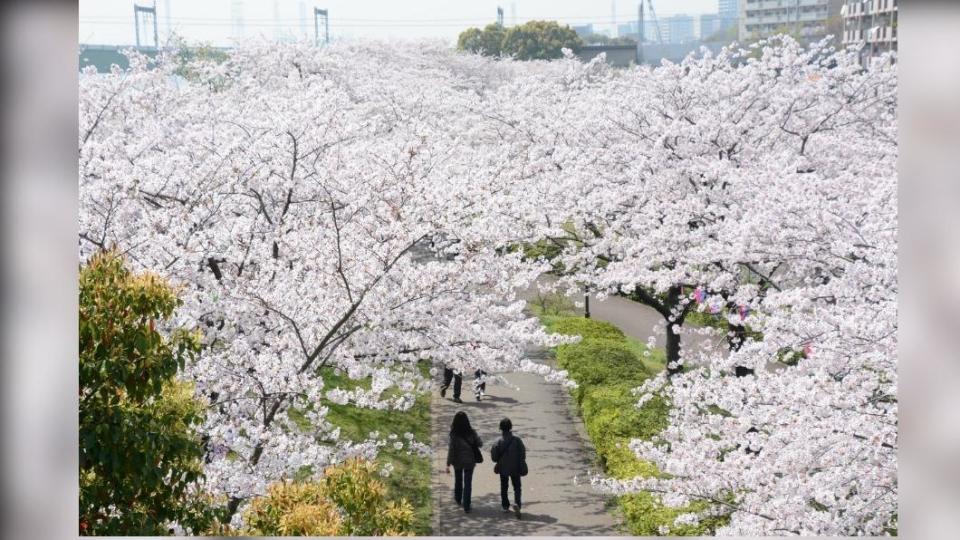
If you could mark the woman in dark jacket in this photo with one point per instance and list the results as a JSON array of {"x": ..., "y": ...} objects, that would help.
[{"x": 461, "y": 455}]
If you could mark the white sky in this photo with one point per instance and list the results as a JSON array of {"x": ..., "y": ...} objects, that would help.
[{"x": 112, "y": 22}]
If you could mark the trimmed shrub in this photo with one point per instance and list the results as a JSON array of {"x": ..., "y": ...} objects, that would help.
[
  {"x": 607, "y": 367},
  {"x": 600, "y": 361},
  {"x": 586, "y": 328},
  {"x": 611, "y": 412},
  {"x": 644, "y": 516},
  {"x": 620, "y": 462}
]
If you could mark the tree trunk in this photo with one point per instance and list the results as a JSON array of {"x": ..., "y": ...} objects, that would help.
[
  {"x": 736, "y": 335},
  {"x": 665, "y": 308},
  {"x": 673, "y": 350},
  {"x": 673, "y": 338}
]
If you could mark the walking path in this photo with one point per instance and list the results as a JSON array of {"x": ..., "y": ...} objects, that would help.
[
  {"x": 557, "y": 452},
  {"x": 558, "y": 449},
  {"x": 635, "y": 319}
]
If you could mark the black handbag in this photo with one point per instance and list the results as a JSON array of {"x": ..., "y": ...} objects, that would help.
[{"x": 477, "y": 454}]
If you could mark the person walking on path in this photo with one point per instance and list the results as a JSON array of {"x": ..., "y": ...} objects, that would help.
[
  {"x": 463, "y": 453},
  {"x": 510, "y": 456},
  {"x": 479, "y": 383},
  {"x": 457, "y": 378}
]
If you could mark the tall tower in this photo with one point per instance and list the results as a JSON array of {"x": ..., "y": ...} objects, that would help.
[
  {"x": 143, "y": 18},
  {"x": 317, "y": 13},
  {"x": 303, "y": 19},
  {"x": 613, "y": 15},
  {"x": 236, "y": 13},
  {"x": 167, "y": 21},
  {"x": 276, "y": 20}
]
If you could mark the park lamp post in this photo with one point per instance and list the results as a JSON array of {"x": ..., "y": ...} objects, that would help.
[{"x": 586, "y": 303}]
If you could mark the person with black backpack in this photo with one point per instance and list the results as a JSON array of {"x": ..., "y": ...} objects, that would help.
[
  {"x": 510, "y": 456},
  {"x": 463, "y": 453}
]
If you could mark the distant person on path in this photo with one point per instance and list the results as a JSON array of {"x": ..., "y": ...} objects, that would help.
[
  {"x": 510, "y": 455},
  {"x": 457, "y": 378},
  {"x": 463, "y": 453},
  {"x": 479, "y": 383}
]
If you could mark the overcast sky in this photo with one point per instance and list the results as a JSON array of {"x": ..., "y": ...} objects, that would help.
[{"x": 112, "y": 21}]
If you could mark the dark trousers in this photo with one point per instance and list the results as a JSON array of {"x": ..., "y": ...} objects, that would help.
[
  {"x": 457, "y": 379},
  {"x": 462, "y": 482},
  {"x": 505, "y": 480}
]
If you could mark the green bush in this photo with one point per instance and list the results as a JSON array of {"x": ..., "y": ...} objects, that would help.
[
  {"x": 620, "y": 462},
  {"x": 551, "y": 307},
  {"x": 702, "y": 318},
  {"x": 607, "y": 367},
  {"x": 293, "y": 509},
  {"x": 541, "y": 249},
  {"x": 610, "y": 411},
  {"x": 348, "y": 501},
  {"x": 362, "y": 499},
  {"x": 140, "y": 454},
  {"x": 600, "y": 361},
  {"x": 586, "y": 328},
  {"x": 644, "y": 514}
]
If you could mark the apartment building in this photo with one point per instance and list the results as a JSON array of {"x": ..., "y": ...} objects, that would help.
[
  {"x": 872, "y": 22},
  {"x": 680, "y": 29},
  {"x": 729, "y": 12},
  {"x": 803, "y": 19},
  {"x": 710, "y": 24}
]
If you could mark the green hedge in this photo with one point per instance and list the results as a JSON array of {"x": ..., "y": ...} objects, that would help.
[
  {"x": 644, "y": 516},
  {"x": 586, "y": 328},
  {"x": 607, "y": 367},
  {"x": 596, "y": 362},
  {"x": 610, "y": 411}
]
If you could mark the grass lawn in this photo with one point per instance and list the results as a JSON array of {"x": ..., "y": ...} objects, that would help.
[
  {"x": 655, "y": 362},
  {"x": 411, "y": 473}
]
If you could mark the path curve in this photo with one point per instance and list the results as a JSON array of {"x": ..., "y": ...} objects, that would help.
[{"x": 635, "y": 319}]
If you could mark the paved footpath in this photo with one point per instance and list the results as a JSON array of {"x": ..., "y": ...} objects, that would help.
[
  {"x": 557, "y": 451},
  {"x": 635, "y": 319},
  {"x": 558, "y": 448}
]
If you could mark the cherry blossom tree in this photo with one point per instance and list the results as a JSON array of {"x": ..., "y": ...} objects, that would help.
[
  {"x": 639, "y": 172},
  {"x": 759, "y": 186},
  {"x": 357, "y": 207},
  {"x": 794, "y": 218},
  {"x": 295, "y": 193}
]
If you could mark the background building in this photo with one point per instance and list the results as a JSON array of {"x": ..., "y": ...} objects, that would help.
[
  {"x": 650, "y": 30},
  {"x": 583, "y": 30},
  {"x": 628, "y": 30},
  {"x": 873, "y": 22},
  {"x": 709, "y": 25},
  {"x": 616, "y": 55},
  {"x": 803, "y": 19},
  {"x": 729, "y": 12},
  {"x": 680, "y": 29}
]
